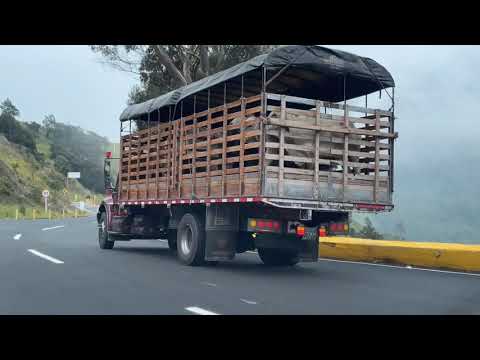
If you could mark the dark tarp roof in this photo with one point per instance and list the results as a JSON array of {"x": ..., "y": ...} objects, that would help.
[{"x": 314, "y": 72}]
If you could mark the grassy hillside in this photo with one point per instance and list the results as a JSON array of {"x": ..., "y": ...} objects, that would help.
[{"x": 35, "y": 157}]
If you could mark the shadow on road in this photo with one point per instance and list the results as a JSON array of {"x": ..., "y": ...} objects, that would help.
[{"x": 246, "y": 264}]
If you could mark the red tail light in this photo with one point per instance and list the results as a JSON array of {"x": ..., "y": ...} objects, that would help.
[
  {"x": 322, "y": 232},
  {"x": 260, "y": 225},
  {"x": 300, "y": 230}
]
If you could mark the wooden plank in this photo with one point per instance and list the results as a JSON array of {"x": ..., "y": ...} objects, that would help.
[
  {"x": 209, "y": 150},
  {"x": 302, "y": 125},
  {"x": 312, "y": 103},
  {"x": 281, "y": 163},
  {"x": 180, "y": 161},
  {"x": 377, "y": 158},
  {"x": 224, "y": 147},
  {"x": 242, "y": 146},
  {"x": 317, "y": 151},
  {"x": 345, "y": 153}
]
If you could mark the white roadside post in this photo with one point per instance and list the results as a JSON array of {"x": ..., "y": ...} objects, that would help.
[{"x": 45, "y": 194}]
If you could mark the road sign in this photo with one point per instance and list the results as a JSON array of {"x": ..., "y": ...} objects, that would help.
[{"x": 73, "y": 175}]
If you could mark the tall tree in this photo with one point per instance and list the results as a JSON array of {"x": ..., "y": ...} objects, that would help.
[
  {"x": 8, "y": 108},
  {"x": 162, "y": 68}
]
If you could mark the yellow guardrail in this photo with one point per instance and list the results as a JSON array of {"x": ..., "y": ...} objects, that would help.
[{"x": 423, "y": 254}]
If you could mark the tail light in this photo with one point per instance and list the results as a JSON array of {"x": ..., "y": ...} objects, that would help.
[
  {"x": 300, "y": 231},
  {"x": 338, "y": 228},
  {"x": 322, "y": 231},
  {"x": 264, "y": 225}
]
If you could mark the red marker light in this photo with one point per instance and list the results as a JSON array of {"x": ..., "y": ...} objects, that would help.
[
  {"x": 108, "y": 154},
  {"x": 300, "y": 230}
]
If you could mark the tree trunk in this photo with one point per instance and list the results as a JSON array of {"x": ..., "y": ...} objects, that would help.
[{"x": 169, "y": 65}]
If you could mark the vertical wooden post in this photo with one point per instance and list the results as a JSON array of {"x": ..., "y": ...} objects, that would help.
[
  {"x": 169, "y": 156},
  {"x": 224, "y": 147},
  {"x": 16, "y": 214},
  {"x": 377, "y": 156},
  {"x": 180, "y": 162},
  {"x": 281, "y": 151},
  {"x": 224, "y": 154},
  {"x": 345, "y": 152},
  {"x": 242, "y": 147},
  {"x": 130, "y": 149},
  {"x": 147, "y": 176},
  {"x": 193, "y": 172},
  {"x": 157, "y": 165},
  {"x": 209, "y": 130},
  {"x": 316, "y": 190},
  {"x": 33, "y": 214}
]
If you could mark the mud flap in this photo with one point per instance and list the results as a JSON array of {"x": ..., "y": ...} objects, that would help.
[
  {"x": 220, "y": 245},
  {"x": 309, "y": 245},
  {"x": 221, "y": 232}
]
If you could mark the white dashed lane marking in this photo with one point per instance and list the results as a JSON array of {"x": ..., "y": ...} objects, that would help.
[
  {"x": 200, "y": 311},
  {"x": 46, "y": 257}
]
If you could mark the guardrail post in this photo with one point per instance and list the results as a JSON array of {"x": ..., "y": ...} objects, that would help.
[
  {"x": 33, "y": 214},
  {"x": 16, "y": 214}
]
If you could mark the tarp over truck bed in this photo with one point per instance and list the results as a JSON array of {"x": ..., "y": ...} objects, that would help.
[{"x": 321, "y": 71}]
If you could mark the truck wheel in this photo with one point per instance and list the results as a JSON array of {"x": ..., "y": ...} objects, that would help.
[
  {"x": 277, "y": 257},
  {"x": 191, "y": 240},
  {"x": 172, "y": 240},
  {"x": 103, "y": 238}
]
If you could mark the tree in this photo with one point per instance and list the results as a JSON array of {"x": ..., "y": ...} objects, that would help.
[
  {"x": 368, "y": 231},
  {"x": 162, "y": 68},
  {"x": 8, "y": 108},
  {"x": 49, "y": 122}
]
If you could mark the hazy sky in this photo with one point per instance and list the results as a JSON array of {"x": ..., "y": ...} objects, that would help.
[{"x": 67, "y": 81}]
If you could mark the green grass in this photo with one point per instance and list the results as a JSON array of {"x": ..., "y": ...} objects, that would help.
[{"x": 35, "y": 213}]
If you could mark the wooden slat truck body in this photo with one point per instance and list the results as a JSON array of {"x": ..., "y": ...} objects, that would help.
[{"x": 254, "y": 168}]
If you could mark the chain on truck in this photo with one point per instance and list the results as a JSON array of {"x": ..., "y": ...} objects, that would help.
[{"x": 266, "y": 155}]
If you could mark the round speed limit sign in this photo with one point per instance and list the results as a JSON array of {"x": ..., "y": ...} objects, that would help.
[{"x": 45, "y": 193}]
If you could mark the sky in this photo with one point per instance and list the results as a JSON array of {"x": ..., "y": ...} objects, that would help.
[
  {"x": 66, "y": 81},
  {"x": 436, "y": 97}
]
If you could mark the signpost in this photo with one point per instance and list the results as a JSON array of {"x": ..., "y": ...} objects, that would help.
[{"x": 46, "y": 194}]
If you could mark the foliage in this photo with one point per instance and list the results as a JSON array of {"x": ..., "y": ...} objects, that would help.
[
  {"x": 366, "y": 231},
  {"x": 162, "y": 68},
  {"x": 8, "y": 108}
]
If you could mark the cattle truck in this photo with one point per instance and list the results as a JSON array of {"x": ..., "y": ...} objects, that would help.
[{"x": 269, "y": 155}]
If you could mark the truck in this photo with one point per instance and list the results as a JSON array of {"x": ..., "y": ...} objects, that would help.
[{"x": 269, "y": 155}]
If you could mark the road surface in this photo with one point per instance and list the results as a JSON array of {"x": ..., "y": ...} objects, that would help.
[{"x": 56, "y": 267}]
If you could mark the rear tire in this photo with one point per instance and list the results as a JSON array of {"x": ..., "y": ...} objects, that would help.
[
  {"x": 191, "y": 240},
  {"x": 278, "y": 257},
  {"x": 104, "y": 239}
]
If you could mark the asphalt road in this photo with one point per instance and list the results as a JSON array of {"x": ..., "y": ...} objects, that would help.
[{"x": 56, "y": 267}]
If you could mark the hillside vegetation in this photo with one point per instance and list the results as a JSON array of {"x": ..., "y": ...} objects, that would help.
[{"x": 34, "y": 157}]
